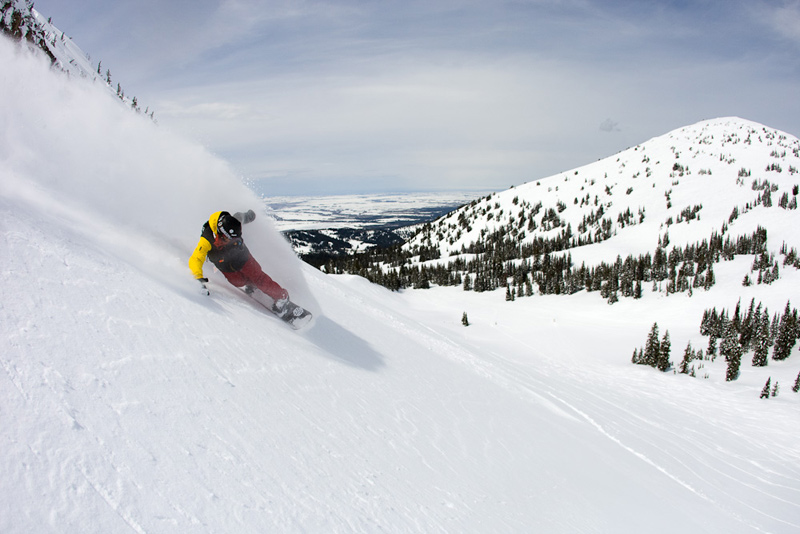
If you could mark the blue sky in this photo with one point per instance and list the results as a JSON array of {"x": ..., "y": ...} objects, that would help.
[{"x": 324, "y": 97}]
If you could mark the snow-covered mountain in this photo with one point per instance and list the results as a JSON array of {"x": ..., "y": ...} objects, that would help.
[
  {"x": 664, "y": 213},
  {"x": 722, "y": 175},
  {"x": 131, "y": 403}
]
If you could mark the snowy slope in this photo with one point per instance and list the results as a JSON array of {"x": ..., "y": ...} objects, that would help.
[
  {"x": 684, "y": 185},
  {"x": 131, "y": 403}
]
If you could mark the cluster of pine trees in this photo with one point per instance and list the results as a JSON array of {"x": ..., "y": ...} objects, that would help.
[
  {"x": 500, "y": 261},
  {"x": 656, "y": 353},
  {"x": 753, "y": 330},
  {"x": 134, "y": 102},
  {"x": 731, "y": 336}
]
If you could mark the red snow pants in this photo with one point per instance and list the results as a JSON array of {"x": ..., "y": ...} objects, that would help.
[{"x": 251, "y": 274}]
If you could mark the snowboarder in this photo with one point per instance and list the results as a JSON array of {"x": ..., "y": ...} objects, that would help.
[{"x": 221, "y": 242}]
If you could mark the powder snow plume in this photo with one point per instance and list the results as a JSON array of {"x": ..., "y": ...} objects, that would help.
[{"x": 74, "y": 153}]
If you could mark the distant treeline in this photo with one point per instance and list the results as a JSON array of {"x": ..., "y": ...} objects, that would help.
[{"x": 499, "y": 260}]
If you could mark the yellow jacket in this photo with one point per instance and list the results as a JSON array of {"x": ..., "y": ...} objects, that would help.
[{"x": 228, "y": 256}]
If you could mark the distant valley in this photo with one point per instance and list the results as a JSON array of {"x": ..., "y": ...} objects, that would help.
[{"x": 325, "y": 226}]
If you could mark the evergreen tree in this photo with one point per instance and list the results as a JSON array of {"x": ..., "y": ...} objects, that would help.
[
  {"x": 787, "y": 336},
  {"x": 509, "y": 294},
  {"x": 712, "y": 346},
  {"x": 761, "y": 341},
  {"x": 746, "y": 329},
  {"x": 688, "y": 355},
  {"x": 730, "y": 341},
  {"x": 705, "y": 328},
  {"x": 734, "y": 363},
  {"x": 651, "y": 348},
  {"x": 465, "y": 319},
  {"x": 710, "y": 279},
  {"x": 663, "y": 363},
  {"x": 775, "y": 389},
  {"x": 774, "y": 326},
  {"x": 796, "y": 387},
  {"x": 737, "y": 320},
  {"x": 766, "y": 389}
]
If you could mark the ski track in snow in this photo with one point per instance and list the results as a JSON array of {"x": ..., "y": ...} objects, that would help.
[{"x": 722, "y": 470}]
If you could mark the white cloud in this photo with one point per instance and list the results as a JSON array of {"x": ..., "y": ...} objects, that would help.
[
  {"x": 445, "y": 93},
  {"x": 786, "y": 20}
]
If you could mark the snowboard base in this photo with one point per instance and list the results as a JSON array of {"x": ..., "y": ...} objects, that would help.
[
  {"x": 292, "y": 314},
  {"x": 296, "y": 316}
]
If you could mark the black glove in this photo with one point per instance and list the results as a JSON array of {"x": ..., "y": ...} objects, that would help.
[{"x": 203, "y": 289}]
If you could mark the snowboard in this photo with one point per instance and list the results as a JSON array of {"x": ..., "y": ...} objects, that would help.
[
  {"x": 295, "y": 316},
  {"x": 292, "y": 314}
]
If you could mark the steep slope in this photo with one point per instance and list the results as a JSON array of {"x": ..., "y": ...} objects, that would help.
[
  {"x": 20, "y": 21},
  {"x": 131, "y": 403}
]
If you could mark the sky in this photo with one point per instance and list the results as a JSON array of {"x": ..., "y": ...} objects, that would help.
[{"x": 342, "y": 97}]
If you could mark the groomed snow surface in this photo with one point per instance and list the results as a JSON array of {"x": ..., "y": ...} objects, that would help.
[{"x": 130, "y": 403}]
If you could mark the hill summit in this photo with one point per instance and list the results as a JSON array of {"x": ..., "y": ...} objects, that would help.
[{"x": 691, "y": 197}]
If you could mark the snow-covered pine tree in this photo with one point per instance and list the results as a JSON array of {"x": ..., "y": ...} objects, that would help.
[
  {"x": 761, "y": 341},
  {"x": 663, "y": 363},
  {"x": 705, "y": 323},
  {"x": 746, "y": 329},
  {"x": 796, "y": 387},
  {"x": 787, "y": 334},
  {"x": 730, "y": 341},
  {"x": 734, "y": 363},
  {"x": 712, "y": 347},
  {"x": 651, "y": 348},
  {"x": 709, "y": 279},
  {"x": 737, "y": 316},
  {"x": 688, "y": 355},
  {"x": 465, "y": 319},
  {"x": 766, "y": 389}
]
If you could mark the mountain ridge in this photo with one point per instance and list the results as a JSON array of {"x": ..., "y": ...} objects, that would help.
[{"x": 20, "y": 21}]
